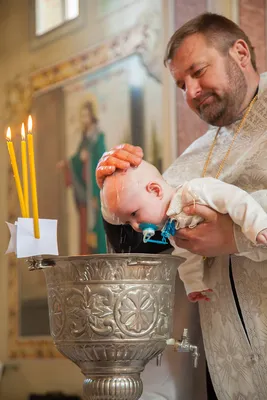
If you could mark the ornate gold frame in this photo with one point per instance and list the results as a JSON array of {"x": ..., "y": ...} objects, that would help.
[{"x": 135, "y": 40}]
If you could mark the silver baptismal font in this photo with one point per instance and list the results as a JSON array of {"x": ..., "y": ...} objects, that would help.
[{"x": 110, "y": 314}]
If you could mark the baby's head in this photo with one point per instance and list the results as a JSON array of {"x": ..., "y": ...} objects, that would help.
[{"x": 136, "y": 195}]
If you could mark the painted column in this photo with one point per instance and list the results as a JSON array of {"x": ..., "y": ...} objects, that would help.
[{"x": 252, "y": 19}]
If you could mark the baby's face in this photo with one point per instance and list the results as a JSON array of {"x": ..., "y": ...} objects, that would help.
[
  {"x": 136, "y": 204},
  {"x": 143, "y": 206}
]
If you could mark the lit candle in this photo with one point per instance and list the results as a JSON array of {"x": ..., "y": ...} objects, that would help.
[
  {"x": 24, "y": 171},
  {"x": 14, "y": 165},
  {"x": 33, "y": 180}
]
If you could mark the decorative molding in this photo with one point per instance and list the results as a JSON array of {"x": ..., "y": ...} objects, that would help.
[
  {"x": 18, "y": 102},
  {"x": 17, "y": 107},
  {"x": 141, "y": 39}
]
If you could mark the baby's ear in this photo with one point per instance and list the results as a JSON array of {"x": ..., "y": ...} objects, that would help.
[{"x": 155, "y": 188}]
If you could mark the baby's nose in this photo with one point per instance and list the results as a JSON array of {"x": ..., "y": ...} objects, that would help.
[{"x": 135, "y": 226}]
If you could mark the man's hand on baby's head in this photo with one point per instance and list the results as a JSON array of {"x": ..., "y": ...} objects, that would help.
[
  {"x": 262, "y": 237},
  {"x": 119, "y": 157}
]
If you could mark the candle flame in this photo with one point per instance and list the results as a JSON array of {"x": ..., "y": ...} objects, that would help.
[
  {"x": 8, "y": 134},
  {"x": 30, "y": 124},
  {"x": 22, "y": 132}
]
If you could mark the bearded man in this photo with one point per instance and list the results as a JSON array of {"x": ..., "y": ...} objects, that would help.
[{"x": 213, "y": 62}]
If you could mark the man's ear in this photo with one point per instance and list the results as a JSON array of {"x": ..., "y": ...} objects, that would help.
[
  {"x": 155, "y": 188},
  {"x": 240, "y": 52}
]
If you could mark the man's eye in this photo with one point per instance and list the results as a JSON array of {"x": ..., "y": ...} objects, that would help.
[
  {"x": 199, "y": 72},
  {"x": 181, "y": 86}
]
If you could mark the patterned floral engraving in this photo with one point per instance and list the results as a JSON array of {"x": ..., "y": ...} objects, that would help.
[
  {"x": 88, "y": 269},
  {"x": 90, "y": 312},
  {"x": 166, "y": 305},
  {"x": 56, "y": 312},
  {"x": 94, "y": 352},
  {"x": 136, "y": 311}
]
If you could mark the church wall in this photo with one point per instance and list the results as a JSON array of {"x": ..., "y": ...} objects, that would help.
[{"x": 18, "y": 59}]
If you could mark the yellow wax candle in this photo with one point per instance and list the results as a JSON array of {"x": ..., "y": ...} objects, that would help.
[
  {"x": 24, "y": 171},
  {"x": 14, "y": 165},
  {"x": 33, "y": 180}
]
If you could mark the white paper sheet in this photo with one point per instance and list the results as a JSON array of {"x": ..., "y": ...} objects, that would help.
[{"x": 23, "y": 242}]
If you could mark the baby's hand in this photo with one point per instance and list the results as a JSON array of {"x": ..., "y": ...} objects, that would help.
[
  {"x": 196, "y": 296},
  {"x": 262, "y": 237}
]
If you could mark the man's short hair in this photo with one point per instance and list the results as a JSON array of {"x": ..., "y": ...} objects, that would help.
[{"x": 219, "y": 31}]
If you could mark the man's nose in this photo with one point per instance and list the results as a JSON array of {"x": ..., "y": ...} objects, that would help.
[{"x": 193, "y": 89}]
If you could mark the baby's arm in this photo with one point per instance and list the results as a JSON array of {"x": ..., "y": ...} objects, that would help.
[
  {"x": 191, "y": 272},
  {"x": 229, "y": 199}
]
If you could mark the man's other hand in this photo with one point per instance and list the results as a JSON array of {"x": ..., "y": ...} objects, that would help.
[{"x": 212, "y": 237}]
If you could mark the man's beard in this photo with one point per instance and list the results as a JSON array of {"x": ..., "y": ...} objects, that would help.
[{"x": 225, "y": 109}]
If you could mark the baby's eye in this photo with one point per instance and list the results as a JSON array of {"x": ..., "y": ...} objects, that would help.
[{"x": 133, "y": 214}]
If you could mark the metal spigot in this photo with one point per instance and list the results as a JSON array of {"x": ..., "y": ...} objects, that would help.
[{"x": 184, "y": 345}]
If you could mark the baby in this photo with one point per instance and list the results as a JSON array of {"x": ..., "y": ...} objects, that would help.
[{"x": 141, "y": 195}]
